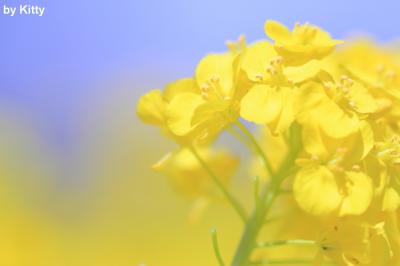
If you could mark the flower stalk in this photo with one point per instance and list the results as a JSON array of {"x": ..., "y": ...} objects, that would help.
[
  {"x": 231, "y": 199},
  {"x": 216, "y": 247},
  {"x": 254, "y": 225}
]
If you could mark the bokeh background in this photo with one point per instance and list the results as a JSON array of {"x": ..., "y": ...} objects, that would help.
[{"x": 75, "y": 181}]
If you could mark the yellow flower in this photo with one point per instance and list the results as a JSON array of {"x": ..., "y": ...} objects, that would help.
[
  {"x": 330, "y": 180},
  {"x": 151, "y": 107},
  {"x": 378, "y": 71},
  {"x": 270, "y": 98},
  {"x": 262, "y": 64},
  {"x": 304, "y": 43},
  {"x": 373, "y": 66},
  {"x": 188, "y": 176},
  {"x": 349, "y": 242},
  {"x": 340, "y": 164},
  {"x": 270, "y": 106},
  {"x": 215, "y": 105},
  {"x": 384, "y": 166},
  {"x": 337, "y": 108}
]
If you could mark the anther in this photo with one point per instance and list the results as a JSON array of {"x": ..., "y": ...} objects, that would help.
[
  {"x": 214, "y": 79},
  {"x": 204, "y": 88},
  {"x": 259, "y": 77},
  {"x": 353, "y": 105},
  {"x": 204, "y": 95},
  {"x": 314, "y": 157}
]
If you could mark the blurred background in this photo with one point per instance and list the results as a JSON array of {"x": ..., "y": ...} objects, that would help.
[{"x": 75, "y": 181}]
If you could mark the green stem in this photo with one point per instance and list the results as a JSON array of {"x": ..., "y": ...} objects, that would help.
[
  {"x": 270, "y": 192},
  {"x": 253, "y": 227},
  {"x": 256, "y": 183},
  {"x": 281, "y": 262},
  {"x": 216, "y": 247},
  {"x": 288, "y": 262},
  {"x": 238, "y": 134},
  {"x": 277, "y": 243},
  {"x": 257, "y": 147},
  {"x": 232, "y": 200}
]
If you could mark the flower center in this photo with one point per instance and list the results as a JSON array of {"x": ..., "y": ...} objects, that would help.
[
  {"x": 334, "y": 164},
  {"x": 212, "y": 90},
  {"x": 275, "y": 73},
  {"x": 387, "y": 75},
  {"x": 389, "y": 150},
  {"x": 304, "y": 34},
  {"x": 340, "y": 94}
]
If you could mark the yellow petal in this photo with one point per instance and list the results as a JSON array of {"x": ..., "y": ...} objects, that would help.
[
  {"x": 334, "y": 121},
  {"x": 211, "y": 110},
  {"x": 301, "y": 73},
  {"x": 286, "y": 116},
  {"x": 391, "y": 200},
  {"x": 358, "y": 194},
  {"x": 256, "y": 58},
  {"x": 360, "y": 143},
  {"x": 367, "y": 136},
  {"x": 363, "y": 101},
  {"x": 180, "y": 111},
  {"x": 277, "y": 32},
  {"x": 179, "y": 86},
  {"x": 217, "y": 68},
  {"x": 324, "y": 39},
  {"x": 150, "y": 108},
  {"x": 308, "y": 96},
  {"x": 261, "y": 105},
  {"x": 316, "y": 191},
  {"x": 313, "y": 141}
]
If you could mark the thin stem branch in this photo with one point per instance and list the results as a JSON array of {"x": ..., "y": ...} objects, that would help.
[
  {"x": 281, "y": 262},
  {"x": 216, "y": 247},
  {"x": 276, "y": 243},
  {"x": 288, "y": 262},
  {"x": 256, "y": 183},
  {"x": 231, "y": 199},
  {"x": 249, "y": 238},
  {"x": 238, "y": 134},
  {"x": 257, "y": 147}
]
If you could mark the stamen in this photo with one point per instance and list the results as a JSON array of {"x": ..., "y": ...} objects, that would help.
[
  {"x": 214, "y": 79},
  {"x": 259, "y": 77}
]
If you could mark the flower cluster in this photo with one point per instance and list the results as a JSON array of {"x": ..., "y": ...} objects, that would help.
[{"x": 330, "y": 141}]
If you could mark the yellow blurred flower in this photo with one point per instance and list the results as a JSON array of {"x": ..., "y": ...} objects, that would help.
[
  {"x": 190, "y": 179},
  {"x": 188, "y": 176}
]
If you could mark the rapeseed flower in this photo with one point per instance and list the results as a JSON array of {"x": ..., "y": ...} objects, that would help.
[{"x": 329, "y": 119}]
